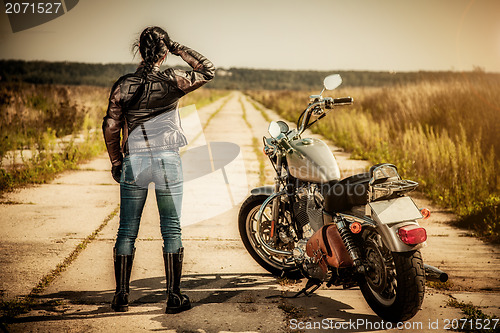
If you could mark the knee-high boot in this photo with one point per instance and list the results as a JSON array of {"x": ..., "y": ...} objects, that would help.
[
  {"x": 123, "y": 268},
  {"x": 176, "y": 302}
]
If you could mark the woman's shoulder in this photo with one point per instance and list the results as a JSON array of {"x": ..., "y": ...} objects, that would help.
[
  {"x": 164, "y": 75},
  {"x": 167, "y": 77},
  {"x": 126, "y": 80},
  {"x": 128, "y": 77}
]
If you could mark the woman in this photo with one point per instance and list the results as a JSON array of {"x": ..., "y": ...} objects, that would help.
[{"x": 143, "y": 109}]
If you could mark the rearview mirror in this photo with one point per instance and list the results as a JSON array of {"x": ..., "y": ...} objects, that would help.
[{"x": 332, "y": 81}]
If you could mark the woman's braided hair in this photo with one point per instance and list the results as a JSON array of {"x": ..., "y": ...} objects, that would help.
[{"x": 153, "y": 44}]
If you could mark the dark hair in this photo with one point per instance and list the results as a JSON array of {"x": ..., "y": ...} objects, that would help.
[{"x": 153, "y": 44}]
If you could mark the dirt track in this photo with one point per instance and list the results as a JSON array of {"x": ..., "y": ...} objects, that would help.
[{"x": 42, "y": 225}]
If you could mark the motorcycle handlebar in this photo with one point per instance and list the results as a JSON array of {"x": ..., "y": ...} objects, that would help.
[
  {"x": 327, "y": 103},
  {"x": 343, "y": 100},
  {"x": 331, "y": 102}
]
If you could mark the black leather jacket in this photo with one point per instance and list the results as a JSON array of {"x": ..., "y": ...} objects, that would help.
[{"x": 143, "y": 106}]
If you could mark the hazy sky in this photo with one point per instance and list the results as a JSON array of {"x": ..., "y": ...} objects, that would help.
[{"x": 399, "y": 35}]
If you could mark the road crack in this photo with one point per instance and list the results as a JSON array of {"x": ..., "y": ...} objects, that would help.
[{"x": 11, "y": 309}]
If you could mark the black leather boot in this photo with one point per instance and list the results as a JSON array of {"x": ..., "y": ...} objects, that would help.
[
  {"x": 176, "y": 302},
  {"x": 123, "y": 267}
]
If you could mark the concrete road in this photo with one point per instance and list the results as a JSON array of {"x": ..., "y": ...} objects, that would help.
[{"x": 42, "y": 225}]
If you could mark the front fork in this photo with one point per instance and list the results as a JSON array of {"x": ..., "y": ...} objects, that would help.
[{"x": 275, "y": 209}]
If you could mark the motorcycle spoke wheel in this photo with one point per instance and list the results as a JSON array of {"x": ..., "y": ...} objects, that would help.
[
  {"x": 248, "y": 232},
  {"x": 382, "y": 278},
  {"x": 266, "y": 229}
]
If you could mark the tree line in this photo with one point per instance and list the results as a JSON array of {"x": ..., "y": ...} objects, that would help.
[{"x": 73, "y": 73}]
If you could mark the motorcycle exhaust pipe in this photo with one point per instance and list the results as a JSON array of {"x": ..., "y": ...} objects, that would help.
[{"x": 434, "y": 274}]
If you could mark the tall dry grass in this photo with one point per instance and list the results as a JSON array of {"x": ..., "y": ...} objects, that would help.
[
  {"x": 445, "y": 135},
  {"x": 28, "y": 112},
  {"x": 46, "y": 129}
]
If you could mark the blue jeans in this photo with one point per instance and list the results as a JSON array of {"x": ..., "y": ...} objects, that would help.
[{"x": 139, "y": 169}]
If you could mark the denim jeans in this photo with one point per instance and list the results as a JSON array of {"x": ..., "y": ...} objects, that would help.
[{"x": 139, "y": 170}]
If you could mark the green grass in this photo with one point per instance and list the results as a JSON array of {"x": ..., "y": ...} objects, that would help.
[
  {"x": 245, "y": 114},
  {"x": 448, "y": 285},
  {"x": 261, "y": 110},
  {"x": 61, "y": 267},
  {"x": 212, "y": 116},
  {"x": 474, "y": 319},
  {"x": 256, "y": 145},
  {"x": 445, "y": 135},
  {"x": 207, "y": 122},
  {"x": 46, "y": 164},
  {"x": 34, "y": 118},
  {"x": 202, "y": 97},
  {"x": 12, "y": 308},
  {"x": 33, "y": 121}
]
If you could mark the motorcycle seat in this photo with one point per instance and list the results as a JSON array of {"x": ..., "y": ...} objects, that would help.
[{"x": 344, "y": 194}]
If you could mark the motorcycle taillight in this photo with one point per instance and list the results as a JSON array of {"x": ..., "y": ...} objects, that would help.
[{"x": 412, "y": 234}]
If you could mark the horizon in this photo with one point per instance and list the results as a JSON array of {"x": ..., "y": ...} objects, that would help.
[
  {"x": 353, "y": 35},
  {"x": 474, "y": 70}
]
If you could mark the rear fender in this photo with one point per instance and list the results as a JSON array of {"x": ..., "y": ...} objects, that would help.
[
  {"x": 392, "y": 214},
  {"x": 389, "y": 233}
]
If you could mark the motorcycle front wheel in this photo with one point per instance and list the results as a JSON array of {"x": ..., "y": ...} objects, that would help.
[
  {"x": 394, "y": 283},
  {"x": 247, "y": 225}
]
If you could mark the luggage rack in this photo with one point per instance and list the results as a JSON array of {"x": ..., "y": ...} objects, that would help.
[{"x": 391, "y": 189}]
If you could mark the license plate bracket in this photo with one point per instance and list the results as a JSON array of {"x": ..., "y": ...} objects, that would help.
[{"x": 395, "y": 210}]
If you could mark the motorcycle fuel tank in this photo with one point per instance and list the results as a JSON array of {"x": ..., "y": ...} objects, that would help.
[{"x": 311, "y": 160}]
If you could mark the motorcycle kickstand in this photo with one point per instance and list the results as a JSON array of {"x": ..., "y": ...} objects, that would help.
[{"x": 314, "y": 283}]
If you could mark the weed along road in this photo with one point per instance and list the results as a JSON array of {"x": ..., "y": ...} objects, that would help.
[{"x": 56, "y": 243}]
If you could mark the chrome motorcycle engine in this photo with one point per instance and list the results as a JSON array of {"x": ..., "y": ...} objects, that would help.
[
  {"x": 308, "y": 208},
  {"x": 308, "y": 211}
]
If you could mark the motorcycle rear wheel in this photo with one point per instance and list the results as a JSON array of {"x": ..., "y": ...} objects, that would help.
[
  {"x": 394, "y": 287},
  {"x": 247, "y": 222}
]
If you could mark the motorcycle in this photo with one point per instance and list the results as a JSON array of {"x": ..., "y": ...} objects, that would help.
[{"x": 358, "y": 231}]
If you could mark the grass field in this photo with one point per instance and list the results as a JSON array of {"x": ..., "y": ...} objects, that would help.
[
  {"x": 444, "y": 134},
  {"x": 46, "y": 129},
  {"x": 34, "y": 119}
]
